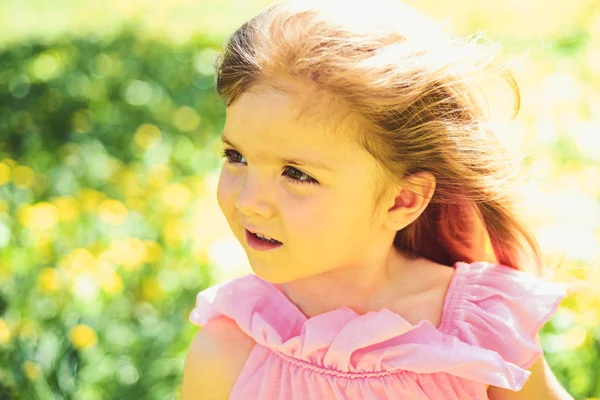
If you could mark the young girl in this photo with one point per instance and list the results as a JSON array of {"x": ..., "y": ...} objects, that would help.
[{"x": 374, "y": 205}]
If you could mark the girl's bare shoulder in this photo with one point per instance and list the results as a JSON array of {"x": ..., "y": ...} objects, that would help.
[{"x": 215, "y": 359}]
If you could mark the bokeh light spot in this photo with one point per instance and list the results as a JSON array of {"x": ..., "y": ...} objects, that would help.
[
  {"x": 32, "y": 370},
  {"x": 4, "y": 174},
  {"x": 112, "y": 212},
  {"x": 82, "y": 121},
  {"x": 49, "y": 280},
  {"x": 23, "y": 176},
  {"x": 147, "y": 135},
  {"x": 38, "y": 216},
  {"x": 138, "y": 93},
  {"x": 46, "y": 66},
  {"x": 82, "y": 336},
  {"x": 5, "y": 334},
  {"x": 186, "y": 119}
]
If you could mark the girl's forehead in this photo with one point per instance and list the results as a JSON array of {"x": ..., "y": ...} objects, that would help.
[{"x": 295, "y": 118}]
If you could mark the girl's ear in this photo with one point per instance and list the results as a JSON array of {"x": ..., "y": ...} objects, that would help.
[{"x": 411, "y": 200}]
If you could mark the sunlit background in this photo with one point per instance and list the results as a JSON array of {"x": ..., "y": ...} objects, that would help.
[{"x": 109, "y": 155}]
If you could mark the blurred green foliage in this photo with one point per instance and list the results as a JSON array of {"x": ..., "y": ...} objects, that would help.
[
  {"x": 104, "y": 146},
  {"x": 105, "y": 143}
]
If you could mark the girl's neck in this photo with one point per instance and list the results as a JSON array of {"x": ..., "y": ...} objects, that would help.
[{"x": 360, "y": 289}]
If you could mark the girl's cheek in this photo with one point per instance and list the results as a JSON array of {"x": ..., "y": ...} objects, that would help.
[{"x": 226, "y": 190}]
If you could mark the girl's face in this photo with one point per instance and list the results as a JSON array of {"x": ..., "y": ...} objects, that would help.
[{"x": 297, "y": 182}]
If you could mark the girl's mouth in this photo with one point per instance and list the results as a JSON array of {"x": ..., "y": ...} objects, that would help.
[{"x": 258, "y": 243}]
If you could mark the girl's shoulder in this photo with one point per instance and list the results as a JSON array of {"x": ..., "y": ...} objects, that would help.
[{"x": 215, "y": 359}]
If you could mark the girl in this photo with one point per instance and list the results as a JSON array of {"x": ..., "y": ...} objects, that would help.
[{"x": 374, "y": 205}]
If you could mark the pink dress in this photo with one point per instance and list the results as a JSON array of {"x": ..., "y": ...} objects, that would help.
[{"x": 490, "y": 318}]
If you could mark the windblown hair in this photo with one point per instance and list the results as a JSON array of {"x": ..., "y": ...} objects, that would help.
[{"x": 406, "y": 87}]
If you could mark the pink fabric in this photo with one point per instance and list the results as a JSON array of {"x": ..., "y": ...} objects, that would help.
[{"x": 491, "y": 316}]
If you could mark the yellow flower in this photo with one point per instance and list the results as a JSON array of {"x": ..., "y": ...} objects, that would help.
[
  {"x": 5, "y": 334},
  {"x": 32, "y": 370},
  {"x": 81, "y": 260},
  {"x": 4, "y": 173},
  {"x": 112, "y": 212},
  {"x": 67, "y": 207},
  {"x": 109, "y": 280},
  {"x": 23, "y": 176},
  {"x": 38, "y": 216},
  {"x": 83, "y": 336},
  {"x": 153, "y": 251},
  {"x": 151, "y": 291},
  {"x": 10, "y": 162},
  {"x": 90, "y": 199},
  {"x": 49, "y": 280}
]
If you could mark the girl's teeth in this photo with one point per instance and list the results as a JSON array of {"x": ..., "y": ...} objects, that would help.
[{"x": 266, "y": 238}]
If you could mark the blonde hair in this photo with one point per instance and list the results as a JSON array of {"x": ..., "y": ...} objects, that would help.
[{"x": 404, "y": 85}]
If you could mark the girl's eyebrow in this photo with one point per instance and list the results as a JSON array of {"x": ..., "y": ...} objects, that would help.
[{"x": 296, "y": 162}]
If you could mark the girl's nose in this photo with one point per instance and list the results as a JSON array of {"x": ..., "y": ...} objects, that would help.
[{"x": 254, "y": 198}]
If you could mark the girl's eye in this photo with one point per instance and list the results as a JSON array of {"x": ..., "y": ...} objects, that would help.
[
  {"x": 297, "y": 176},
  {"x": 294, "y": 175},
  {"x": 232, "y": 155}
]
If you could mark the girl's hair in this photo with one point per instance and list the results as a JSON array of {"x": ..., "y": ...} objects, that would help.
[{"x": 405, "y": 88}]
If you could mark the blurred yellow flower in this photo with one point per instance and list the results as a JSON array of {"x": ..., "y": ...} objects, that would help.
[
  {"x": 81, "y": 260},
  {"x": 10, "y": 162},
  {"x": 49, "y": 280},
  {"x": 136, "y": 203},
  {"x": 151, "y": 291},
  {"x": 109, "y": 280},
  {"x": 23, "y": 176},
  {"x": 90, "y": 199},
  {"x": 159, "y": 175},
  {"x": 186, "y": 119},
  {"x": 68, "y": 209},
  {"x": 575, "y": 337},
  {"x": 38, "y": 216},
  {"x": 147, "y": 135},
  {"x": 129, "y": 252},
  {"x": 177, "y": 196},
  {"x": 83, "y": 336},
  {"x": 4, "y": 173},
  {"x": 4, "y": 332},
  {"x": 32, "y": 370},
  {"x": 153, "y": 251},
  {"x": 112, "y": 212},
  {"x": 174, "y": 231}
]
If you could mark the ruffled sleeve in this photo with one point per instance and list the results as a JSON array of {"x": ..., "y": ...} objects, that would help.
[
  {"x": 502, "y": 309},
  {"x": 253, "y": 304}
]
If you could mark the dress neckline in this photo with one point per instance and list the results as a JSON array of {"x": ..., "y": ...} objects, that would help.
[{"x": 450, "y": 299}]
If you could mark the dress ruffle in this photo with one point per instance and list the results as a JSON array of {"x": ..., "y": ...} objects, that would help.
[
  {"x": 502, "y": 309},
  {"x": 491, "y": 316}
]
